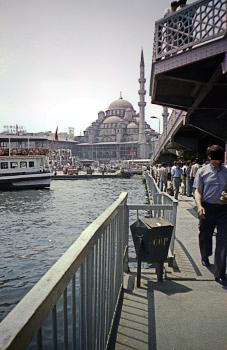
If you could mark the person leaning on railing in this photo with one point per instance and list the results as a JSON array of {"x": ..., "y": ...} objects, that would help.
[{"x": 211, "y": 184}]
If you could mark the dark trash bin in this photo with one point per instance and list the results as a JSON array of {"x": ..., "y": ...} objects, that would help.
[{"x": 151, "y": 239}]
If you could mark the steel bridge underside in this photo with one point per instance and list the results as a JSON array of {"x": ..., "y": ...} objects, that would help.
[{"x": 194, "y": 81}]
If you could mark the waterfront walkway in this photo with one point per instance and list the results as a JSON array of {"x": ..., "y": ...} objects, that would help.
[{"x": 188, "y": 311}]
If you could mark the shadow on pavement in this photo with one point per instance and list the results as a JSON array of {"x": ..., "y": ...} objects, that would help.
[
  {"x": 193, "y": 263},
  {"x": 167, "y": 287},
  {"x": 193, "y": 212}
]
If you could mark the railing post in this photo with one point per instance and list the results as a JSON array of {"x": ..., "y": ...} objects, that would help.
[
  {"x": 126, "y": 237},
  {"x": 174, "y": 220}
]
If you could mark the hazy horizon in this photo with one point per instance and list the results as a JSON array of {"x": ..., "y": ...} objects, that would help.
[{"x": 62, "y": 62}]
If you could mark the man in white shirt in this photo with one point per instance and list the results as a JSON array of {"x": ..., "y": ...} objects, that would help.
[
  {"x": 176, "y": 173},
  {"x": 194, "y": 170},
  {"x": 163, "y": 173}
]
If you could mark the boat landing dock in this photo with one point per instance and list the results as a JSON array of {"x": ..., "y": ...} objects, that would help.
[{"x": 96, "y": 175}]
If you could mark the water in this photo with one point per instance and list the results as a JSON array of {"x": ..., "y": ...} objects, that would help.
[{"x": 36, "y": 227}]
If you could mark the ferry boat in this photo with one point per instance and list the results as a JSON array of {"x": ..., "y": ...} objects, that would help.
[{"x": 23, "y": 163}]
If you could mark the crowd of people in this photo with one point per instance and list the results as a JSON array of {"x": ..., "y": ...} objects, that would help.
[{"x": 177, "y": 178}]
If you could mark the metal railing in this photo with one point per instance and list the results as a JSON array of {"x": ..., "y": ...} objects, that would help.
[
  {"x": 158, "y": 198},
  {"x": 74, "y": 303},
  {"x": 200, "y": 22},
  {"x": 176, "y": 117}
]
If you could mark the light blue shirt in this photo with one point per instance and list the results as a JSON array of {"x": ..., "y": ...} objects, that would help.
[
  {"x": 176, "y": 172},
  {"x": 212, "y": 181}
]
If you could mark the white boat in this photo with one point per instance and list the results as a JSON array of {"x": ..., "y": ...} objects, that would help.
[{"x": 23, "y": 163}]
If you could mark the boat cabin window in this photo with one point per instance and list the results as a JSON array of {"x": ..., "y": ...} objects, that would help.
[
  {"x": 23, "y": 164},
  {"x": 4, "y": 165},
  {"x": 13, "y": 165},
  {"x": 31, "y": 164}
]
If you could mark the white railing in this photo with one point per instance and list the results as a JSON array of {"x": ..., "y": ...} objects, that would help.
[
  {"x": 158, "y": 198},
  {"x": 79, "y": 295},
  {"x": 176, "y": 117},
  {"x": 200, "y": 22}
]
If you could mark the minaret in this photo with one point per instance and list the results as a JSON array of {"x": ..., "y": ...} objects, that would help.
[{"x": 142, "y": 104}]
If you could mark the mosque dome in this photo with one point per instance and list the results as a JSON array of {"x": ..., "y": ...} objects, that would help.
[
  {"x": 132, "y": 126},
  {"x": 112, "y": 120},
  {"x": 121, "y": 104}
]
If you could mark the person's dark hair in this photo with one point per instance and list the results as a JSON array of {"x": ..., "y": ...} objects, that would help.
[
  {"x": 215, "y": 152},
  {"x": 182, "y": 2},
  {"x": 174, "y": 4}
]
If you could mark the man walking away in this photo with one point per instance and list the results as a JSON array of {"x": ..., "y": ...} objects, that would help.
[
  {"x": 163, "y": 173},
  {"x": 188, "y": 181},
  {"x": 184, "y": 168},
  {"x": 194, "y": 169},
  {"x": 176, "y": 173},
  {"x": 154, "y": 172},
  {"x": 210, "y": 182}
]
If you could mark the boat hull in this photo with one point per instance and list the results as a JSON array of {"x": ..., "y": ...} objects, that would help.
[{"x": 22, "y": 182}]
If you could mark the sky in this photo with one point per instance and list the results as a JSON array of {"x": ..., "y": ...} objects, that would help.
[{"x": 62, "y": 61}]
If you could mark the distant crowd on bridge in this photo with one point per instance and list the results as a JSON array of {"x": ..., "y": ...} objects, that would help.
[{"x": 177, "y": 178}]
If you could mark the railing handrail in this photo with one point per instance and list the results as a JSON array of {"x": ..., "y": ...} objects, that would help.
[
  {"x": 149, "y": 207},
  {"x": 201, "y": 27},
  {"x": 37, "y": 303}
]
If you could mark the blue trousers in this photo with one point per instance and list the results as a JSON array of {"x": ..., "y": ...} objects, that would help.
[{"x": 215, "y": 216}]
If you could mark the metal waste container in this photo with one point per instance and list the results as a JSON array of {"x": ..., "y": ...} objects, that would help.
[{"x": 151, "y": 239}]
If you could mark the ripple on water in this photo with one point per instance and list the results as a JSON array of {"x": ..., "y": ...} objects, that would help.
[{"x": 40, "y": 225}]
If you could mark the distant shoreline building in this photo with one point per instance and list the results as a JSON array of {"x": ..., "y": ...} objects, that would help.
[{"x": 119, "y": 132}]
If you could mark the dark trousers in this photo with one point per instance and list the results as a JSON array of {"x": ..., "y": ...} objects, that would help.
[{"x": 215, "y": 216}]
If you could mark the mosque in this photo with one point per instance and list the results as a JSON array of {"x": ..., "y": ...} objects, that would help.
[{"x": 119, "y": 132}]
